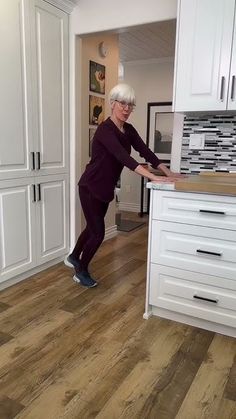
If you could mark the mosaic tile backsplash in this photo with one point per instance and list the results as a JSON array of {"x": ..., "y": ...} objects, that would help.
[{"x": 219, "y": 153}]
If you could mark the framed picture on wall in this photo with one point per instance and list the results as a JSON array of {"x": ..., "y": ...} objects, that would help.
[
  {"x": 91, "y": 135},
  {"x": 97, "y": 77},
  {"x": 96, "y": 110},
  {"x": 160, "y": 121}
]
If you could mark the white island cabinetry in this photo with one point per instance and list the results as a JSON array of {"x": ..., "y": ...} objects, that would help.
[{"x": 191, "y": 274}]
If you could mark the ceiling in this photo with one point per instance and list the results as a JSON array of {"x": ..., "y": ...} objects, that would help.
[{"x": 145, "y": 42}]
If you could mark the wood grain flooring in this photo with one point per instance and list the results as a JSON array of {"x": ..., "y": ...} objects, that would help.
[{"x": 71, "y": 353}]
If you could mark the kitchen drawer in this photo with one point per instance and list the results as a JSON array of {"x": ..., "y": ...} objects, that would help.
[
  {"x": 194, "y": 248},
  {"x": 193, "y": 208},
  {"x": 176, "y": 290}
]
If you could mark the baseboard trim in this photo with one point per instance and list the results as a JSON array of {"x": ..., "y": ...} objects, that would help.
[
  {"x": 193, "y": 321},
  {"x": 110, "y": 232},
  {"x": 28, "y": 274},
  {"x": 130, "y": 206}
]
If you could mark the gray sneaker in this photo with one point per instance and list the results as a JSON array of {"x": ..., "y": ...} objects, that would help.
[
  {"x": 72, "y": 262},
  {"x": 85, "y": 279}
]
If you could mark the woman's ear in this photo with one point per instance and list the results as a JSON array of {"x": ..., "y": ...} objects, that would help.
[{"x": 112, "y": 105}]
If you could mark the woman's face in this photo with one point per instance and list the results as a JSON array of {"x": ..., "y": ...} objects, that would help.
[{"x": 121, "y": 110}]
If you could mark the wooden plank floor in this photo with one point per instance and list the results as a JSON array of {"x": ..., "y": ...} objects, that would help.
[{"x": 71, "y": 353}]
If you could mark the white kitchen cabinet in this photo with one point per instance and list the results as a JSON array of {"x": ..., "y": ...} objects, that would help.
[
  {"x": 16, "y": 115},
  {"x": 52, "y": 217},
  {"x": 34, "y": 140},
  {"x": 192, "y": 295},
  {"x": 194, "y": 248},
  {"x": 50, "y": 86},
  {"x": 191, "y": 274},
  {"x": 202, "y": 209},
  {"x": 33, "y": 223},
  {"x": 34, "y": 89},
  {"x": 18, "y": 227},
  {"x": 205, "y": 62}
]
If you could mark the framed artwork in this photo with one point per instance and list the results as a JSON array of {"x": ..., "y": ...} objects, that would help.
[
  {"x": 91, "y": 135},
  {"x": 96, "y": 77},
  {"x": 160, "y": 121},
  {"x": 96, "y": 110}
]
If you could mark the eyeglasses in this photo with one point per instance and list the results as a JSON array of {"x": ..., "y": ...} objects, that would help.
[{"x": 123, "y": 105}]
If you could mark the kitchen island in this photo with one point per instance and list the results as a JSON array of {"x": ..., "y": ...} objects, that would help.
[{"x": 191, "y": 270}]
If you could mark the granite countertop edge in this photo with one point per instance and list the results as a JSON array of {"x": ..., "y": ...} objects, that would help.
[{"x": 161, "y": 186}]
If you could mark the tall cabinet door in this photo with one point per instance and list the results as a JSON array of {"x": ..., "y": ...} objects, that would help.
[
  {"x": 17, "y": 227},
  {"x": 50, "y": 64},
  {"x": 15, "y": 90},
  {"x": 52, "y": 217},
  {"x": 203, "y": 54}
]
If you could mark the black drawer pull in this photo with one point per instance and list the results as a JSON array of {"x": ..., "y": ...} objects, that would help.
[
  {"x": 210, "y": 300},
  {"x": 39, "y": 192},
  {"x": 232, "y": 88},
  {"x": 206, "y": 252},
  {"x": 222, "y": 88},
  {"x": 212, "y": 212},
  {"x": 34, "y": 194},
  {"x": 38, "y": 160},
  {"x": 33, "y": 160}
]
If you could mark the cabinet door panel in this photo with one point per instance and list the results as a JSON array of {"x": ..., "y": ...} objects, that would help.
[
  {"x": 194, "y": 248},
  {"x": 15, "y": 113},
  {"x": 51, "y": 85},
  {"x": 17, "y": 220},
  {"x": 232, "y": 84},
  {"x": 203, "y": 54},
  {"x": 197, "y": 209},
  {"x": 52, "y": 217},
  {"x": 177, "y": 290}
]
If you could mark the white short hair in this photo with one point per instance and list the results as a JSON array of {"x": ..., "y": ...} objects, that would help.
[{"x": 123, "y": 93}]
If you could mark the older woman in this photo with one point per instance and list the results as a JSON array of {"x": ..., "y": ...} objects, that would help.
[{"x": 111, "y": 150}]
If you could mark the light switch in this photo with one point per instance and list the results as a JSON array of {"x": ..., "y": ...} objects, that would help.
[{"x": 197, "y": 141}]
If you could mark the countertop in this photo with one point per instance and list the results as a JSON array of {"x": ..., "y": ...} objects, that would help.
[
  {"x": 214, "y": 183},
  {"x": 162, "y": 186}
]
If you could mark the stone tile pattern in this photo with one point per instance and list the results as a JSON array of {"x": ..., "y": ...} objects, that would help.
[{"x": 219, "y": 153}]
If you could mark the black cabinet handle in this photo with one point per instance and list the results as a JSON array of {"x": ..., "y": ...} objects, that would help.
[
  {"x": 206, "y": 252},
  {"x": 212, "y": 212},
  {"x": 222, "y": 88},
  {"x": 38, "y": 160},
  {"x": 232, "y": 88},
  {"x": 33, "y": 160},
  {"x": 34, "y": 193},
  {"x": 210, "y": 300},
  {"x": 39, "y": 192}
]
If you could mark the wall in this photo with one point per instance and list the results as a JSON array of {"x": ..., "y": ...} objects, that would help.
[
  {"x": 86, "y": 50},
  {"x": 152, "y": 82},
  {"x": 108, "y": 15}
]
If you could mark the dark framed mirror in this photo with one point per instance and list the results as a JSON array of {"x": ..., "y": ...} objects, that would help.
[{"x": 160, "y": 122}]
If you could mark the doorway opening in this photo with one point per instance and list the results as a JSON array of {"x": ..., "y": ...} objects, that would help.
[{"x": 143, "y": 57}]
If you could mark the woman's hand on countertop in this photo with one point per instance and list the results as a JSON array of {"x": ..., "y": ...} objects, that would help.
[
  {"x": 172, "y": 177},
  {"x": 176, "y": 176},
  {"x": 163, "y": 179},
  {"x": 168, "y": 173}
]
